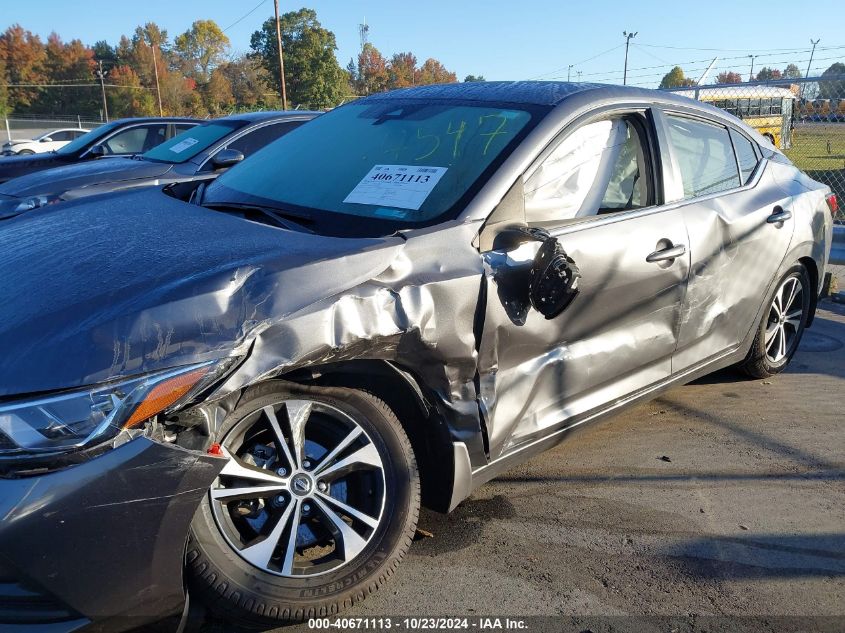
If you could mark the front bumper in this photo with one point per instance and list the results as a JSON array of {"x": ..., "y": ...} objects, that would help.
[{"x": 100, "y": 544}]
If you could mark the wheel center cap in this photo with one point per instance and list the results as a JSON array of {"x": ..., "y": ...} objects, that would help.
[{"x": 300, "y": 484}]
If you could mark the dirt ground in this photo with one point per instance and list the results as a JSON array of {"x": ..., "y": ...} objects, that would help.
[{"x": 719, "y": 506}]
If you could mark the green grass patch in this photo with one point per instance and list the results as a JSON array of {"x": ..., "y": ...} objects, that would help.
[{"x": 818, "y": 146}]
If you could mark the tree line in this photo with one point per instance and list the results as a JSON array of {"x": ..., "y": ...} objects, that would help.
[{"x": 196, "y": 73}]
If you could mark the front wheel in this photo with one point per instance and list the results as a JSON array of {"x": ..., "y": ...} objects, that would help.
[
  {"x": 314, "y": 510},
  {"x": 782, "y": 325},
  {"x": 25, "y": 152}
]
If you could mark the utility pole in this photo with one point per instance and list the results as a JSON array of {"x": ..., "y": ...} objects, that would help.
[
  {"x": 158, "y": 88},
  {"x": 814, "y": 43},
  {"x": 102, "y": 76},
  {"x": 751, "y": 75},
  {"x": 569, "y": 71},
  {"x": 281, "y": 56},
  {"x": 579, "y": 75},
  {"x": 804, "y": 84},
  {"x": 628, "y": 38}
]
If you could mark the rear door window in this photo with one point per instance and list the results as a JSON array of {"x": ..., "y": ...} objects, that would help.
[{"x": 705, "y": 156}]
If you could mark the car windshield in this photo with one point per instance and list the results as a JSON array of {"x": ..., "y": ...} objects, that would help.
[
  {"x": 89, "y": 138},
  {"x": 186, "y": 145},
  {"x": 400, "y": 164}
]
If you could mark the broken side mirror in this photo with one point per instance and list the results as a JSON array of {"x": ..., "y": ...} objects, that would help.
[{"x": 554, "y": 278}]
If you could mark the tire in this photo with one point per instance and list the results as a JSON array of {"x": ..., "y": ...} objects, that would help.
[
  {"x": 225, "y": 559},
  {"x": 25, "y": 152},
  {"x": 777, "y": 338}
]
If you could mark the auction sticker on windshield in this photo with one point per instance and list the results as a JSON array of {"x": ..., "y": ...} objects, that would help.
[
  {"x": 181, "y": 146},
  {"x": 399, "y": 186}
]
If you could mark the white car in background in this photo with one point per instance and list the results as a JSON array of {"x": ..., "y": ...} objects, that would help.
[{"x": 47, "y": 142}]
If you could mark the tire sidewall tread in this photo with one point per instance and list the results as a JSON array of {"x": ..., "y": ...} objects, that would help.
[{"x": 209, "y": 558}]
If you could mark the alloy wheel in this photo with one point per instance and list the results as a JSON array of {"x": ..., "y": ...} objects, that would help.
[
  {"x": 303, "y": 492},
  {"x": 784, "y": 320}
]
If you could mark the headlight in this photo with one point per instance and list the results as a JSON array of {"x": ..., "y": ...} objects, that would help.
[
  {"x": 16, "y": 206},
  {"x": 81, "y": 418}
]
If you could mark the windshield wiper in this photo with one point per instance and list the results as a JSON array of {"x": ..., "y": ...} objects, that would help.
[{"x": 280, "y": 218}]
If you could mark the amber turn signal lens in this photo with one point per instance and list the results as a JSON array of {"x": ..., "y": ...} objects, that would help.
[{"x": 164, "y": 395}]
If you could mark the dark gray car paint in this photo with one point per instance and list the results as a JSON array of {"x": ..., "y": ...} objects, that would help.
[
  {"x": 62, "y": 179},
  {"x": 124, "y": 514}
]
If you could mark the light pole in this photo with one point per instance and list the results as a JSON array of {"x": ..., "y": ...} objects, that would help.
[
  {"x": 751, "y": 75},
  {"x": 628, "y": 37},
  {"x": 569, "y": 71}
]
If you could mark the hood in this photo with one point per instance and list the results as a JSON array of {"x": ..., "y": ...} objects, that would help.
[
  {"x": 133, "y": 282},
  {"x": 95, "y": 172},
  {"x": 14, "y": 166}
]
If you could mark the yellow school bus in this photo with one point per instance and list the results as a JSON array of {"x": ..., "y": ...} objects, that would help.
[{"x": 765, "y": 108}]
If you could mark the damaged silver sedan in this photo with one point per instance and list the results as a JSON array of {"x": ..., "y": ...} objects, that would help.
[{"x": 259, "y": 381}]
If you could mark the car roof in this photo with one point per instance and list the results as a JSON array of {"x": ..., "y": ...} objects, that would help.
[
  {"x": 267, "y": 115},
  {"x": 541, "y": 93},
  {"x": 533, "y": 93},
  {"x": 153, "y": 119}
]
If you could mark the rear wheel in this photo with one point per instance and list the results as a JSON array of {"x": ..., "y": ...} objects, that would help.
[
  {"x": 314, "y": 511},
  {"x": 782, "y": 326}
]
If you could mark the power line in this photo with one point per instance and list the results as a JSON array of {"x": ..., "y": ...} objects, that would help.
[
  {"x": 583, "y": 61},
  {"x": 245, "y": 16}
]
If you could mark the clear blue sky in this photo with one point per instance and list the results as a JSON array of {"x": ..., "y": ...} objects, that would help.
[{"x": 501, "y": 39}]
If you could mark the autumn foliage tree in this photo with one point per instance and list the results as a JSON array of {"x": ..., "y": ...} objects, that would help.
[
  {"x": 195, "y": 73},
  {"x": 729, "y": 77},
  {"x": 372, "y": 74},
  {"x": 24, "y": 56}
]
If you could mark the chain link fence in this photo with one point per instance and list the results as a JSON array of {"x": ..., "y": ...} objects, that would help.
[
  {"x": 22, "y": 127},
  {"x": 805, "y": 118}
]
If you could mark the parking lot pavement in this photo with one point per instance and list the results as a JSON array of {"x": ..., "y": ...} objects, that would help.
[{"x": 725, "y": 497}]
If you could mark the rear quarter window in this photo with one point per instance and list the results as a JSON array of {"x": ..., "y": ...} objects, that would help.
[{"x": 746, "y": 155}]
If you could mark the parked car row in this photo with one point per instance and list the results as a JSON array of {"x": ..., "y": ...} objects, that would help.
[
  {"x": 158, "y": 154},
  {"x": 248, "y": 384}
]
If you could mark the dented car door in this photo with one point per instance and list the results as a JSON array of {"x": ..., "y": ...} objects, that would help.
[
  {"x": 739, "y": 235},
  {"x": 596, "y": 193}
]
